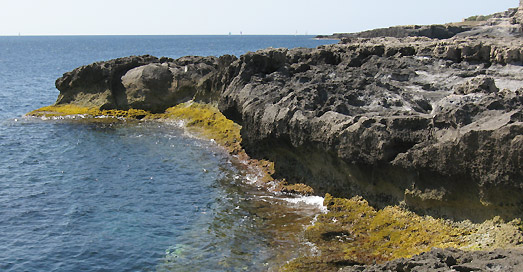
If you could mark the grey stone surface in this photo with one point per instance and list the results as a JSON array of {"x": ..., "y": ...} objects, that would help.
[{"x": 509, "y": 260}]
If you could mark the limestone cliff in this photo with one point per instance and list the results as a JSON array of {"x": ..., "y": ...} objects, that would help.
[{"x": 436, "y": 124}]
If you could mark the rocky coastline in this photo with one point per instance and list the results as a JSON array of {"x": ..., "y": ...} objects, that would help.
[
  {"x": 429, "y": 122},
  {"x": 451, "y": 260}
]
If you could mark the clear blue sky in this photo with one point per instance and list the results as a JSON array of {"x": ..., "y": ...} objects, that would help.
[{"x": 177, "y": 17}]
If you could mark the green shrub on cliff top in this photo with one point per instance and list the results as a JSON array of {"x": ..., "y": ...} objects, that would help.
[{"x": 476, "y": 18}]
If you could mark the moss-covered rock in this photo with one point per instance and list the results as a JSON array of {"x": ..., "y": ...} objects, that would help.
[
  {"x": 353, "y": 232},
  {"x": 209, "y": 121},
  {"x": 72, "y": 109}
]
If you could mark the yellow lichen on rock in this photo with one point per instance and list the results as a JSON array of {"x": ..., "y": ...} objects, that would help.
[
  {"x": 393, "y": 233},
  {"x": 210, "y": 122},
  {"x": 354, "y": 232},
  {"x": 494, "y": 233},
  {"x": 131, "y": 113},
  {"x": 297, "y": 188},
  {"x": 64, "y": 110},
  {"x": 71, "y": 109}
]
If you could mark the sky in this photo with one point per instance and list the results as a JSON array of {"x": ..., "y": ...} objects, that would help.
[{"x": 219, "y": 17}]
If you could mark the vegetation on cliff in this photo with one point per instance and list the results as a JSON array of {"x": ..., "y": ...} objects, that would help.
[{"x": 477, "y": 18}]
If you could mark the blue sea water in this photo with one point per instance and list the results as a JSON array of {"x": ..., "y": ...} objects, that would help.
[{"x": 127, "y": 196}]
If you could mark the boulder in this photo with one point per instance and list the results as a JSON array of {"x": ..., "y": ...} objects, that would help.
[
  {"x": 99, "y": 84},
  {"x": 148, "y": 87},
  {"x": 477, "y": 84}
]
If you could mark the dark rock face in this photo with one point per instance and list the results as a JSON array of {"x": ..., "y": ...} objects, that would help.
[
  {"x": 452, "y": 260},
  {"x": 99, "y": 84},
  {"x": 392, "y": 120},
  {"x": 435, "y": 124},
  {"x": 141, "y": 82}
]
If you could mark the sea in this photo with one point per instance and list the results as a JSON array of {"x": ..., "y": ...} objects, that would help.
[{"x": 129, "y": 195}]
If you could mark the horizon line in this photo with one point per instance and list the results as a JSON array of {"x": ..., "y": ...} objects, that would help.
[{"x": 58, "y": 35}]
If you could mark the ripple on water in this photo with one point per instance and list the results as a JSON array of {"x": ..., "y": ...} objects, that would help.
[
  {"x": 78, "y": 197},
  {"x": 141, "y": 197}
]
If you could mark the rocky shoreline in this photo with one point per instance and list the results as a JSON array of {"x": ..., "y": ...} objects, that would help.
[
  {"x": 497, "y": 24},
  {"x": 433, "y": 124},
  {"x": 510, "y": 260}
]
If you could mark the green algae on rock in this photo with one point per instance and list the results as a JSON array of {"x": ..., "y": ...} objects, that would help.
[
  {"x": 352, "y": 232},
  {"x": 203, "y": 119},
  {"x": 71, "y": 109},
  {"x": 209, "y": 121}
]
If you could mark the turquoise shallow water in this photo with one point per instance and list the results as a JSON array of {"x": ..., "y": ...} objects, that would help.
[{"x": 128, "y": 196}]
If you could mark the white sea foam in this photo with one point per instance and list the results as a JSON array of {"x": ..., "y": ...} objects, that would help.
[
  {"x": 313, "y": 248},
  {"x": 181, "y": 124},
  {"x": 308, "y": 200},
  {"x": 251, "y": 178}
]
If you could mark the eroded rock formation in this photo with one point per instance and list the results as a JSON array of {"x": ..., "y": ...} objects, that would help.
[
  {"x": 353, "y": 118},
  {"x": 435, "y": 124}
]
